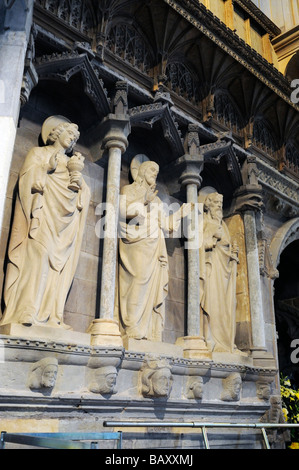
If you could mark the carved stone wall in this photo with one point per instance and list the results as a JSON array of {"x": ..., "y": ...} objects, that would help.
[{"x": 178, "y": 86}]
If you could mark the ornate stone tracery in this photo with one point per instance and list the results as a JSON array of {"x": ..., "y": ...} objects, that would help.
[
  {"x": 124, "y": 41},
  {"x": 76, "y": 13},
  {"x": 99, "y": 55}
]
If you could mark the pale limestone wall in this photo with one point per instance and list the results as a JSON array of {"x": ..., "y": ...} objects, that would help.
[
  {"x": 82, "y": 303},
  {"x": 80, "y": 308},
  {"x": 284, "y": 13}
]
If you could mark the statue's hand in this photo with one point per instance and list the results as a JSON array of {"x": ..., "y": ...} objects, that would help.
[
  {"x": 53, "y": 162},
  {"x": 209, "y": 243}
]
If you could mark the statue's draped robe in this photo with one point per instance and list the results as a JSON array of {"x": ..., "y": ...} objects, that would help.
[
  {"x": 218, "y": 272},
  {"x": 143, "y": 264},
  {"x": 45, "y": 241}
]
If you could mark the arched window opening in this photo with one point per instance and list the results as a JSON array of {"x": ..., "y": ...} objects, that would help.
[
  {"x": 292, "y": 157},
  {"x": 124, "y": 41},
  {"x": 225, "y": 112},
  {"x": 262, "y": 137},
  {"x": 286, "y": 302},
  {"x": 181, "y": 81}
]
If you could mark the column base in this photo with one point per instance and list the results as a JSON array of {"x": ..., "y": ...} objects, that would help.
[
  {"x": 262, "y": 358},
  {"x": 194, "y": 347},
  {"x": 105, "y": 333}
]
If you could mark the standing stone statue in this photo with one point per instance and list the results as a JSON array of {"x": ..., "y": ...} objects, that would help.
[
  {"x": 143, "y": 263},
  {"x": 49, "y": 218},
  {"x": 218, "y": 272}
]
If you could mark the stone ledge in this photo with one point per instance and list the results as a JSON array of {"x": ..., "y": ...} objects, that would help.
[
  {"x": 153, "y": 347},
  {"x": 46, "y": 333}
]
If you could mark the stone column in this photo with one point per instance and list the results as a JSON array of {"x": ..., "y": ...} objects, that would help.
[
  {"x": 193, "y": 320},
  {"x": 248, "y": 201},
  {"x": 254, "y": 282},
  {"x": 115, "y": 129},
  {"x": 15, "y": 26},
  {"x": 193, "y": 344}
]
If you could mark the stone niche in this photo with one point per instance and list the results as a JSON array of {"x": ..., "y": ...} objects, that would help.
[{"x": 59, "y": 381}]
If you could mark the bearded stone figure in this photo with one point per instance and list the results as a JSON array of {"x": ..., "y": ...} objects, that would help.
[
  {"x": 218, "y": 272},
  {"x": 143, "y": 263},
  {"x": 49, "y": 218}
]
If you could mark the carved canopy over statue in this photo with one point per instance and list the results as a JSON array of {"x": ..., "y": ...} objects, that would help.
[
  {"x": 50, "y": 213},
  {"x": 143, "y": 264},
  {"x": 218, "y": 272}
]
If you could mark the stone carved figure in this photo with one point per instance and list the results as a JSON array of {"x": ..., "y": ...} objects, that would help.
[
  {"x": 218, "y": 272},
  {"x": 143, "y": 260},
  {"x": 277, "y": 437},
  {"x": 156, "y": 378},
  {"x": 43, "y": 374},
  {"x": 263, "y": 390},
  {"x": 195, "y": 387},
  {"x": 231, "y": 387},
  {"x": 49, "y": 218},
  {"x": 103, "y": 380}
]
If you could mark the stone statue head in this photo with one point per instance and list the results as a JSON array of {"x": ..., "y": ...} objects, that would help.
[
  {"x": 156, "y": 379},
  {"x": 263, "y": 390},
  {"x": 103, "y": 380},
  {"x": 147, "y": 173},
  {"x": 213, "y": 205},
  {"x": 43, "y": 374},
  {"x": 195, "y": 387},
  {"x": 60, "y": 128},
  {"x": 231, "y": 387}
]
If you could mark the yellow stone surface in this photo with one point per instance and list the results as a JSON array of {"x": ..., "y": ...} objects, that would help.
[{"x": 29, "y": 425}]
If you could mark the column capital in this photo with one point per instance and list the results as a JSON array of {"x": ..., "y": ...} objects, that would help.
[
  {"x": 191, "y": 168},
  {"x": 115, "y": 129},
  {"x": 249, "y": 196}
]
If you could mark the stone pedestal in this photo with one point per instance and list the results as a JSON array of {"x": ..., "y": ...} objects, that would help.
[
  {"x": 262, "y": 358},
  {"x": 105, "y": 332},
  {"x": 194, "y": 347}
]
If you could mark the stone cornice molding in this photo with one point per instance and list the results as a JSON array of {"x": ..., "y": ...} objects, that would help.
[
  {"x": 65, "y": 65},
  {"x": 276, "y": 182},
  {"x": 147, "y": 115},
  {"x": 259, "y": 17}
]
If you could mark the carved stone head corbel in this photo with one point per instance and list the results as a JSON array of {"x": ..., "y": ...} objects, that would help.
[
  {"x": 156, "y": 378},
  {"x": 43, "y": 374},
  {"x": 194, "y": 387},
  {"x": 103, "y": 380},
  {"x": 231, "y": 387}
]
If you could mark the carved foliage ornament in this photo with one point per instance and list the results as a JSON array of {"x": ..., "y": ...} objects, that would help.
[{"x": 77, "y": 13}]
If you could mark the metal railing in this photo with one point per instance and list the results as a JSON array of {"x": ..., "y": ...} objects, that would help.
[
  {"x": 203, "y": 427},
  {"x": 60, "y": 440}
]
